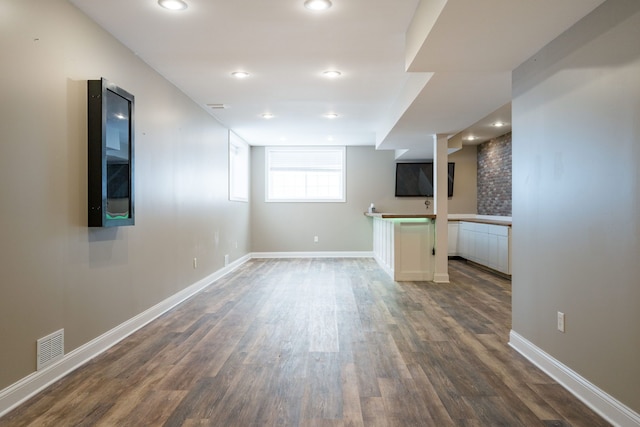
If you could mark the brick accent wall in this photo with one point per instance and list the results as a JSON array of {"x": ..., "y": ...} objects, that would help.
[{"x": 494, "y": 176}]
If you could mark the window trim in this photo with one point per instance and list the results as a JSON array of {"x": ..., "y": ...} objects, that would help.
[{"x": 341, "y": 149}]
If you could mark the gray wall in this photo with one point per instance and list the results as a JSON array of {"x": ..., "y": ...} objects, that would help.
[
  {"x": 290, "y": 227},
  {"x": 57, "y": 273},
  {"x": 465, "y": 187},
  {"x": 54, "y": 271},
  {"x": 576, "y": 199}
]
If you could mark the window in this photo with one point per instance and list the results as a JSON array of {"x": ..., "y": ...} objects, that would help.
[
  {"x": 238, "y": 169},
  {"x": 305, "y": 174}
]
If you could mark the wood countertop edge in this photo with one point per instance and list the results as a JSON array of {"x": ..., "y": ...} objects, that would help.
[
  {"x": 482, "y": 221},
  {"x": 383, "y": 215}
]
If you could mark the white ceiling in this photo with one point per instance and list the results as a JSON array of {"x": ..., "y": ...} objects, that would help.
[{"x": 410, "y": 68}]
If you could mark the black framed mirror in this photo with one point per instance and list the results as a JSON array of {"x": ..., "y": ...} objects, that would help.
[{"x": 110, "y": 155}]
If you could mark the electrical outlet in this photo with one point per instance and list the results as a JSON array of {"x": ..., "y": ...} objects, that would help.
[
  {"x": 561, "y": 321},
  {"x": 226, "y": 260},
  {"x": 315, "y": 239},
  {"x": 195, "y": 263}
]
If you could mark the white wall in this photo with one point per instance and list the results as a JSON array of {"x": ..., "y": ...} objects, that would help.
[
  {"x": 576, "y": 199},
  {"x": 55, "y": 272}
]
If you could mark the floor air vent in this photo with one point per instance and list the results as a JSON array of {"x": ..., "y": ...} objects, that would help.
[{"x": 50, "y": 349}]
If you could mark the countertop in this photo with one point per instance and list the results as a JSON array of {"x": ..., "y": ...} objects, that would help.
[
  {"x": 481, "y": 221},
  {"x": 398, "y": 215},
  {"x": 391, "y": 215}
]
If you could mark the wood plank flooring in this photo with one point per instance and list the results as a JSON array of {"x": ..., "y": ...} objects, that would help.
[{"x": 317, "y": 342}]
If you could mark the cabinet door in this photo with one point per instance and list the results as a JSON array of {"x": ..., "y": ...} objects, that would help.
[
  {"x": 503, "y": 254},
  {"x": 465, "y": 240},
  {"x": 472, "y": 249},
  {"x": 482, "y": 247},
  {"x": 453, "y": 238},
  {"x": 493, "y": 251}
]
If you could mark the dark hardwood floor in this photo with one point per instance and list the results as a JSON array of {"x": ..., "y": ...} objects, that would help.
[{"x": 318, "y": 342}]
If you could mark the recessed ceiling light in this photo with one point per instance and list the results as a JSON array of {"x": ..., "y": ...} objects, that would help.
[
  {"x": 267, "y": 116},
  {"x": 317, "y": 4},
  {"x": 240, "y": 74},
  {"x": 470, "y": 138},
  {"x": 499, "y": 124},
  {"x": 331, "y": 115},
  {"x": 332, "y": 74},
  {"x": 330, "y": 138},
  {"x": 173, "y": 4}
]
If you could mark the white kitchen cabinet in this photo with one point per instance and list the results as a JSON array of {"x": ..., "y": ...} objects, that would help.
[
  {"x": 403, "y": 245},
  {"x": 453, "y": 238},
  {"x": 485, "y": 244}
]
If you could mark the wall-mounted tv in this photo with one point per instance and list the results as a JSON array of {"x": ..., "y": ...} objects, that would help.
[
  {"x": 110, "y": 155},
  {"x": 416, "y": 179}
]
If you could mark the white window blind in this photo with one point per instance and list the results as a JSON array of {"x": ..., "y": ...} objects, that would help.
[{"x": 305, "y": 174}]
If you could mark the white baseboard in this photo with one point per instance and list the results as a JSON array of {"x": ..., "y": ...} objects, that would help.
[
  {"x": 595, "y": 398},
  {"x": 441, "y": 278},
  {"x": 323, "y": 254},
  {"x": 28, "y": 386}
]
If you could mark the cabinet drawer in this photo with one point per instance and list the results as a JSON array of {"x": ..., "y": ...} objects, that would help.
[
  {"x": 474, "y": 226},
  {"x": 498, "y": 230}
]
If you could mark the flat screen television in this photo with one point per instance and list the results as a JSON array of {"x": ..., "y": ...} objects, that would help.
[
  {"x": 416, "y": 179},
  {"x": 110, "y": 155}
]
